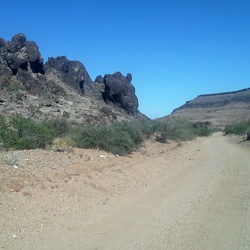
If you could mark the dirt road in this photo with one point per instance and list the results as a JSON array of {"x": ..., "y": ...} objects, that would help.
[{"x": 190, "y": 196}]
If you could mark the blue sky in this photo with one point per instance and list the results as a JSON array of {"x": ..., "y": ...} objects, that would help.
[{"x": 175, "y": 50}]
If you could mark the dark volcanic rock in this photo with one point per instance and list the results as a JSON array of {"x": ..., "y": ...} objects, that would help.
[
  {"x": 99, "y": 79},
  {"x": 21, "y": 68},
  {"x": 2, "y": 44},
  {"x": 17, "y": 42},
  {"x": 71, "y": 72},
  {"x": 23, "y": 55},
  {"x": 120, "y": 91},
  {"x": 61, "y": 87}
]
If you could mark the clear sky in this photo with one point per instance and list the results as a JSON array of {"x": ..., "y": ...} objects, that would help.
[{"x": 174, "y": 49}]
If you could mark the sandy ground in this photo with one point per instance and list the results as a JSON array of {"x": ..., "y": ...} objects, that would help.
[{"x": 194, "y": 195}]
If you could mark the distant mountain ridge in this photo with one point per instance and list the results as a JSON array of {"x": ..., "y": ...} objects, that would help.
[
  {"x": 219, "y": 108},
  {"x": 225, "y": 93}
]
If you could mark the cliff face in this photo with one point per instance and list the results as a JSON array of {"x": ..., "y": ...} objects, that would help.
[
  {"x": 219, "y": 109},
  {"x": 60, "y": 87}
]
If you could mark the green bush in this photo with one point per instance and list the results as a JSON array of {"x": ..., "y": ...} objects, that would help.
[
  {"x": 7, "y": 137},
  {"x": 201, "y": 129},
  {"x": 23, "y": 133},
  {"x": 146, "y": 127},
  {"x": 175, "y": 128},
  {"x": 240, "y": 128},
  {"x": 119, "y": 138},
  {"x": 61, "y": 126}
]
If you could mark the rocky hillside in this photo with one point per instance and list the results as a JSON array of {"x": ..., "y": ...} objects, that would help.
[
  {"x": 60, "y": 88},
  {"x": 218, "y": 109}
]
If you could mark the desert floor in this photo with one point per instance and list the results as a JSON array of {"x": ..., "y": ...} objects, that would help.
[{"x": 189, "y": 195}]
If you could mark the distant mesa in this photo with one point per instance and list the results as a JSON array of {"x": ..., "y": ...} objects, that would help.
[
  {"x": 219, "y": 109},
  {"x": 30, "y": 86}
]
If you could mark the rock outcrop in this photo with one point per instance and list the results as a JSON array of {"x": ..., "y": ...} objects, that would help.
[
  {"x": 19, "y": 54},
  {"x": 72, "y": 73},
  {"x": 60, "y": 87},
  {"x": 119, "y": 90},
  {"x": 21, "y": 69},
  {"x": 220, "y": 108}
]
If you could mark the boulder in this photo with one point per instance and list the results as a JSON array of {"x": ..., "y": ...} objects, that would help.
[
  {"x": 17, "y": 42},
  {"x": 119, "y": 90},
  {"x": 20, "y": 54}
]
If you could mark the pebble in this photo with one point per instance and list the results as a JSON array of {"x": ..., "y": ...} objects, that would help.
[
  {"x": 103, "y": 156},
  {"x": 14, "y": 236}
]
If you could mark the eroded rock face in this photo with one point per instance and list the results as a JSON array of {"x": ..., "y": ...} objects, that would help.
[
  {"x": 20, "y": 54},
  {"x": 119, "y": 90},
  {"x": 60, "y": 87},
  {"x": 21, "y": 70},
  {"x": 71, "y": 72}
]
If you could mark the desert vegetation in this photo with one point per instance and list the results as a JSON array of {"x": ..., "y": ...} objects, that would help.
[
  {"x": 239, "y": 128},
  {"x": 120, "y": 138}
]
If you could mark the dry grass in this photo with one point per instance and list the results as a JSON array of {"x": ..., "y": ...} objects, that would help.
[
  {"x": 11, "y": 159},
  {"x": 62, "y": 144}
]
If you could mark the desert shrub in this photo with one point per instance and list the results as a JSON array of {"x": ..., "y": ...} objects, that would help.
[
  {"x": 201, "y": 129},
  {"x": 11, "y": 159},
  {"x": 61, "y": 125},
  {"x": 85, "y": 136},
  {"x": 124, "y": 137},
  {"x": 62, "y": 144},
  {"x": 23, "y": 133},
  {"x": 7, "y": 136},
  {"x": 131, "y": 129},
  {"x": 116, "y": 140},
  {"x": 119, "y": 138},
  {"x": 175, "y": 128},
  {"x": 146, "y": 127},
  {"x": 240, "y": 128}
]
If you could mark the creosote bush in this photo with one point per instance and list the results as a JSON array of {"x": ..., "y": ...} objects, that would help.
[
  {"x": 120, "y": 138},
  {"x": 62, "y": 144},
  {"x": 179, "y": 129},
  {"x": 240, "y": 128},
  {"x": 61, "y": 126},
  {"x": 22, "y": 133}
]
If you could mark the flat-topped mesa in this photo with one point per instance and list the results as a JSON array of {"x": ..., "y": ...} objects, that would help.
[
  {"x": 218, "y": 99},
  {"x": 225, "y": 93},
  {"x": 220, "y": 108}
]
